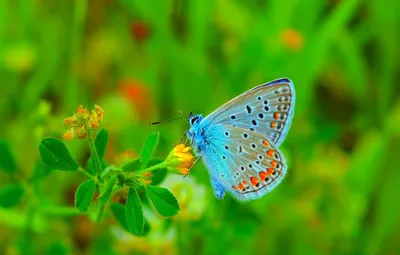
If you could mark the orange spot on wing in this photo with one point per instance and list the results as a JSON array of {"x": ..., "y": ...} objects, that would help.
[
  {"x": 270, "y": 153},
  {"x": 244, "y": 183},
  {"x": 273, "y": 163},
  {"x": 273, "y": 124},
  {"x": 265, "y": 143},
  {"x": 276, "y": 115},
  {"x": 234, "y": 187},
  {"x": 240, "y": 186},
  {"x": 254, "y": 181},
  {"x": 263, "y": 175},
  {"x": 270, "y": 170}
]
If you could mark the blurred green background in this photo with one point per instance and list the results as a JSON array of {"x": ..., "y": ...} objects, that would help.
[{"x": 145, "y": 61}]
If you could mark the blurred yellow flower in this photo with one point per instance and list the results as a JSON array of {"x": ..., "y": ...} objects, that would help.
[
  {"x": 19, "y": 57},
  {"x": 192, "y": 196},
  {"x": 180, "y": 159},
  {"x": 160, "y": 239},
  {"x": 145, "y": 178}
]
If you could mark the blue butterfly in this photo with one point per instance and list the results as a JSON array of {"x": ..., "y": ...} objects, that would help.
[{"x": 238, "y": 141}]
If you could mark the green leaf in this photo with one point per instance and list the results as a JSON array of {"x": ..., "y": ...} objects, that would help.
[
  {"x": 109, "y": 168},
  {"x": 158, "y": 176},
  {"x": 163, "y": 200},
  {"x": 84, "y": 195},
  {"x": 146, "y": 227},
  {"x": 11, "y": 195},
  {"x": 149, "y": 147},
  {"x": 55, "y": 154},
  {"x": 90, "y": 166},
  {"x": 57, "y": 248},
  {"x": 108, "y": 190},
  {"x": 93, "y": 211},
  {"x": 7, "y": 160},
  {"x": 132, "y": 165},
  {"x": 93, "y": 165},
  {"x": 40, "y": 171},
  {"x": 134, "y": 213},
  {"x": 118, "y": 210},
  {"x": 101, "y": 142}
]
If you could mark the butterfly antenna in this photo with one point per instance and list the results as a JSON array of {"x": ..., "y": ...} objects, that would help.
[{"x": 166, "y": 121}]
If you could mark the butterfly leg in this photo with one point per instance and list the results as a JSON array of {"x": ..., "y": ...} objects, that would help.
[
  {"x": 183, "y": 136},
  {"x": 190, "y": 167},
  {"x": 219, "y": 190}
]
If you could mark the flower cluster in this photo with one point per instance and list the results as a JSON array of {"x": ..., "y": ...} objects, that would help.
[
  {"x": 82, "y": 121},
  {"x": 180, "y": 159}
]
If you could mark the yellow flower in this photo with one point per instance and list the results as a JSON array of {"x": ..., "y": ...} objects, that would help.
[
  {"x": 180, "y": 159},
  {"x": 94, "y": 121},
  {"x": 69, "y": 135},
  {"x": 82, "y": 121},
  {"x": 70, "y": 120},
  {"x": 145, "y": 178},
  {"x": 82, "y": 113},
  {"x": 99, "y": 111}
]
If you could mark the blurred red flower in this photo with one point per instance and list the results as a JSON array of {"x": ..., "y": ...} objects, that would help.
[
  {"x": 292, "y": 39},
  {"x": 137, "y": 93},
  {"x": 140, "y": 31}
]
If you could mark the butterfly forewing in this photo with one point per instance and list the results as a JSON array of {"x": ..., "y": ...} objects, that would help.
[
  {"x": 249, "y": 165},
  {"x": 266, "y": 109}
]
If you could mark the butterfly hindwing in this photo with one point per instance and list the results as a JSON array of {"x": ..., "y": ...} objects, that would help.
[
  {"x": 242, "y": 162},
  {"x": 266, "y": 109}
]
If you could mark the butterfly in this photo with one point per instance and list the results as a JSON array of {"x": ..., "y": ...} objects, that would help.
[{"x": 239, "y": 141}]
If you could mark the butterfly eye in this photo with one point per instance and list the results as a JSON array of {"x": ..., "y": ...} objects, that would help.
[{"x": 192, "y": 121}]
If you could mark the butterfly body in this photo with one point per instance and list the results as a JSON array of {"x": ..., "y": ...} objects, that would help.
[{"x": 238, "y": 141}]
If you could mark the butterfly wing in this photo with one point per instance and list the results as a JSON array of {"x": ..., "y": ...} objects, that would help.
[
  {"x": 242, "y": 162},
  {"x": 266, "y": 109}
]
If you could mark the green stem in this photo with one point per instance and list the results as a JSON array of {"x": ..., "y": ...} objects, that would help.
[
  {"x": 95, "y": 155},
  {"x": 85, "y": 172},
  {"x": 152, "y": 168},
  {"x": 59, "y": 210}
]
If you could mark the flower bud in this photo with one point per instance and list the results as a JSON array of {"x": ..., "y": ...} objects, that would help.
[{"x": 180, "y": 159}]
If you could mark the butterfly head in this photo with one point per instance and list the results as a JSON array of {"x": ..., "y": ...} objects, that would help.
[
  {"x": 194, "y": 133},
  {"x": 194, "y": 119},
  {"x": 194, "y": 123}
]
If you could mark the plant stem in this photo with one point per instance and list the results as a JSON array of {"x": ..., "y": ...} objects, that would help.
[
  {"x": 59, "y": 210},
  {"x": 95, "y": 155},
  {"x": 152, "y": 168},
  {"x": 85, "y": 172}
]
